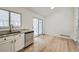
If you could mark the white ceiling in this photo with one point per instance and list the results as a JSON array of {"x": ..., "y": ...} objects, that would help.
[{"x": 44, "y": 11}]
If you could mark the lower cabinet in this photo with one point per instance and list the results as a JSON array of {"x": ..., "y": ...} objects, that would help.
[
  {"x": 19, "y": 42},
  {"x": 6, "y": 46},
  {"x": 12, "y": 43}
]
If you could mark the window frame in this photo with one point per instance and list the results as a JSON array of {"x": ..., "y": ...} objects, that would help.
[
  {"x": 10, "y": 19},
  {"x": 20, "y": 19},
  {"x": 3, "y": 27},
  {"x": 38, "y": 25}
]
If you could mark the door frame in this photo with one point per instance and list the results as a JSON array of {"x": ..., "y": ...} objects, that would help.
[{"x": 38, "y": 26}]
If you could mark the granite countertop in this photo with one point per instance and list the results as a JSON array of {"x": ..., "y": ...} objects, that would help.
[
  {"x": 7, "y": 33},
  {"x": 25, "y": 30}
]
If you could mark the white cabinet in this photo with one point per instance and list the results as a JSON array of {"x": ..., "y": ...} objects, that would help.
[
  {"x": 19, "y": 42},
  {"x": 16, "y": 42},
  {"x": 12, "y": 43},
  {"x": 6, "y": 45},
  {"x": 11, "y": 39}
]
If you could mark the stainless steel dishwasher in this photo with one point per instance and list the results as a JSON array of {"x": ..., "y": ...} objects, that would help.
[{"x": 29, "y": 36}]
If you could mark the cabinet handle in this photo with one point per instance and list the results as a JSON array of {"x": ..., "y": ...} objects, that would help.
[{"x": 5, "y": 39}]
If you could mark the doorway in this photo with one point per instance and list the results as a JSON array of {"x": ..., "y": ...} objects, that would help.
[{"x": 37, "y": 26}]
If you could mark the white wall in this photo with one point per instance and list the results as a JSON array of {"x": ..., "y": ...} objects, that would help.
[
  {"x": 61, "y": 21},
  {"x": 27, "y": 16}
]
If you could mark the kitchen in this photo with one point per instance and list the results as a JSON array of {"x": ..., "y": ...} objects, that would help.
[
  {"x": 38, "y": 29},
  {"x": 14, "y": 34},
  {"x": 30, "y": 27}
]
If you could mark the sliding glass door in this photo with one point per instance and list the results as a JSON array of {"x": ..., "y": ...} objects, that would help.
[
  {"x": 40, "y": 26},
  {"x": 37, "y": 26}
]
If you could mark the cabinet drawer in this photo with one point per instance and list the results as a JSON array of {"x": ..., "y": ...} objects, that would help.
[
  {"x": 19, "y": 36},
  {"x": 10, "y": 38},
  {"x": 2, "y": 39},
  {"x": 6, "y": 38}
]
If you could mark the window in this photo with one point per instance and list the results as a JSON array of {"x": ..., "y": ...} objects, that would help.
[
  {"x": 4, "y": 18},
  {"x": 8, "y": 18},
  {"x": 15, "y": 19}
]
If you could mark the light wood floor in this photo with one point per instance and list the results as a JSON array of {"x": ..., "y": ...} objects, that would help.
[{"x": 47, "y": 43}]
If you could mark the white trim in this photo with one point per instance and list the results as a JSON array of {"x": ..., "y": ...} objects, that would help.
[{"x": 75, "y": 24}]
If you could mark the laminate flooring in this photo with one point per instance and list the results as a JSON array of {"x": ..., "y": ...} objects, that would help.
[{"x": 47, "y": 43}]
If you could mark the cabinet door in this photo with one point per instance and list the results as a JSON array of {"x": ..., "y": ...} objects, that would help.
[
  {"x": 11, "y": 38},
  {"x": 19, "y": 42},
  {"x": 6, "y": 46}
]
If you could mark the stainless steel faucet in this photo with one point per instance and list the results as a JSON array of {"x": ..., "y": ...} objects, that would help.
[{"x": 11, "y": 27}]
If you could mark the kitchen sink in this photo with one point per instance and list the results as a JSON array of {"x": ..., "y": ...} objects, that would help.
[
  {"x": 14, "y": 32},
  {"x": 7, "y": 32}
]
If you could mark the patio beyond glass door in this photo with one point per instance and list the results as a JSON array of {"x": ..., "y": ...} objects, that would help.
[{"x": 37, "y": 26}]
